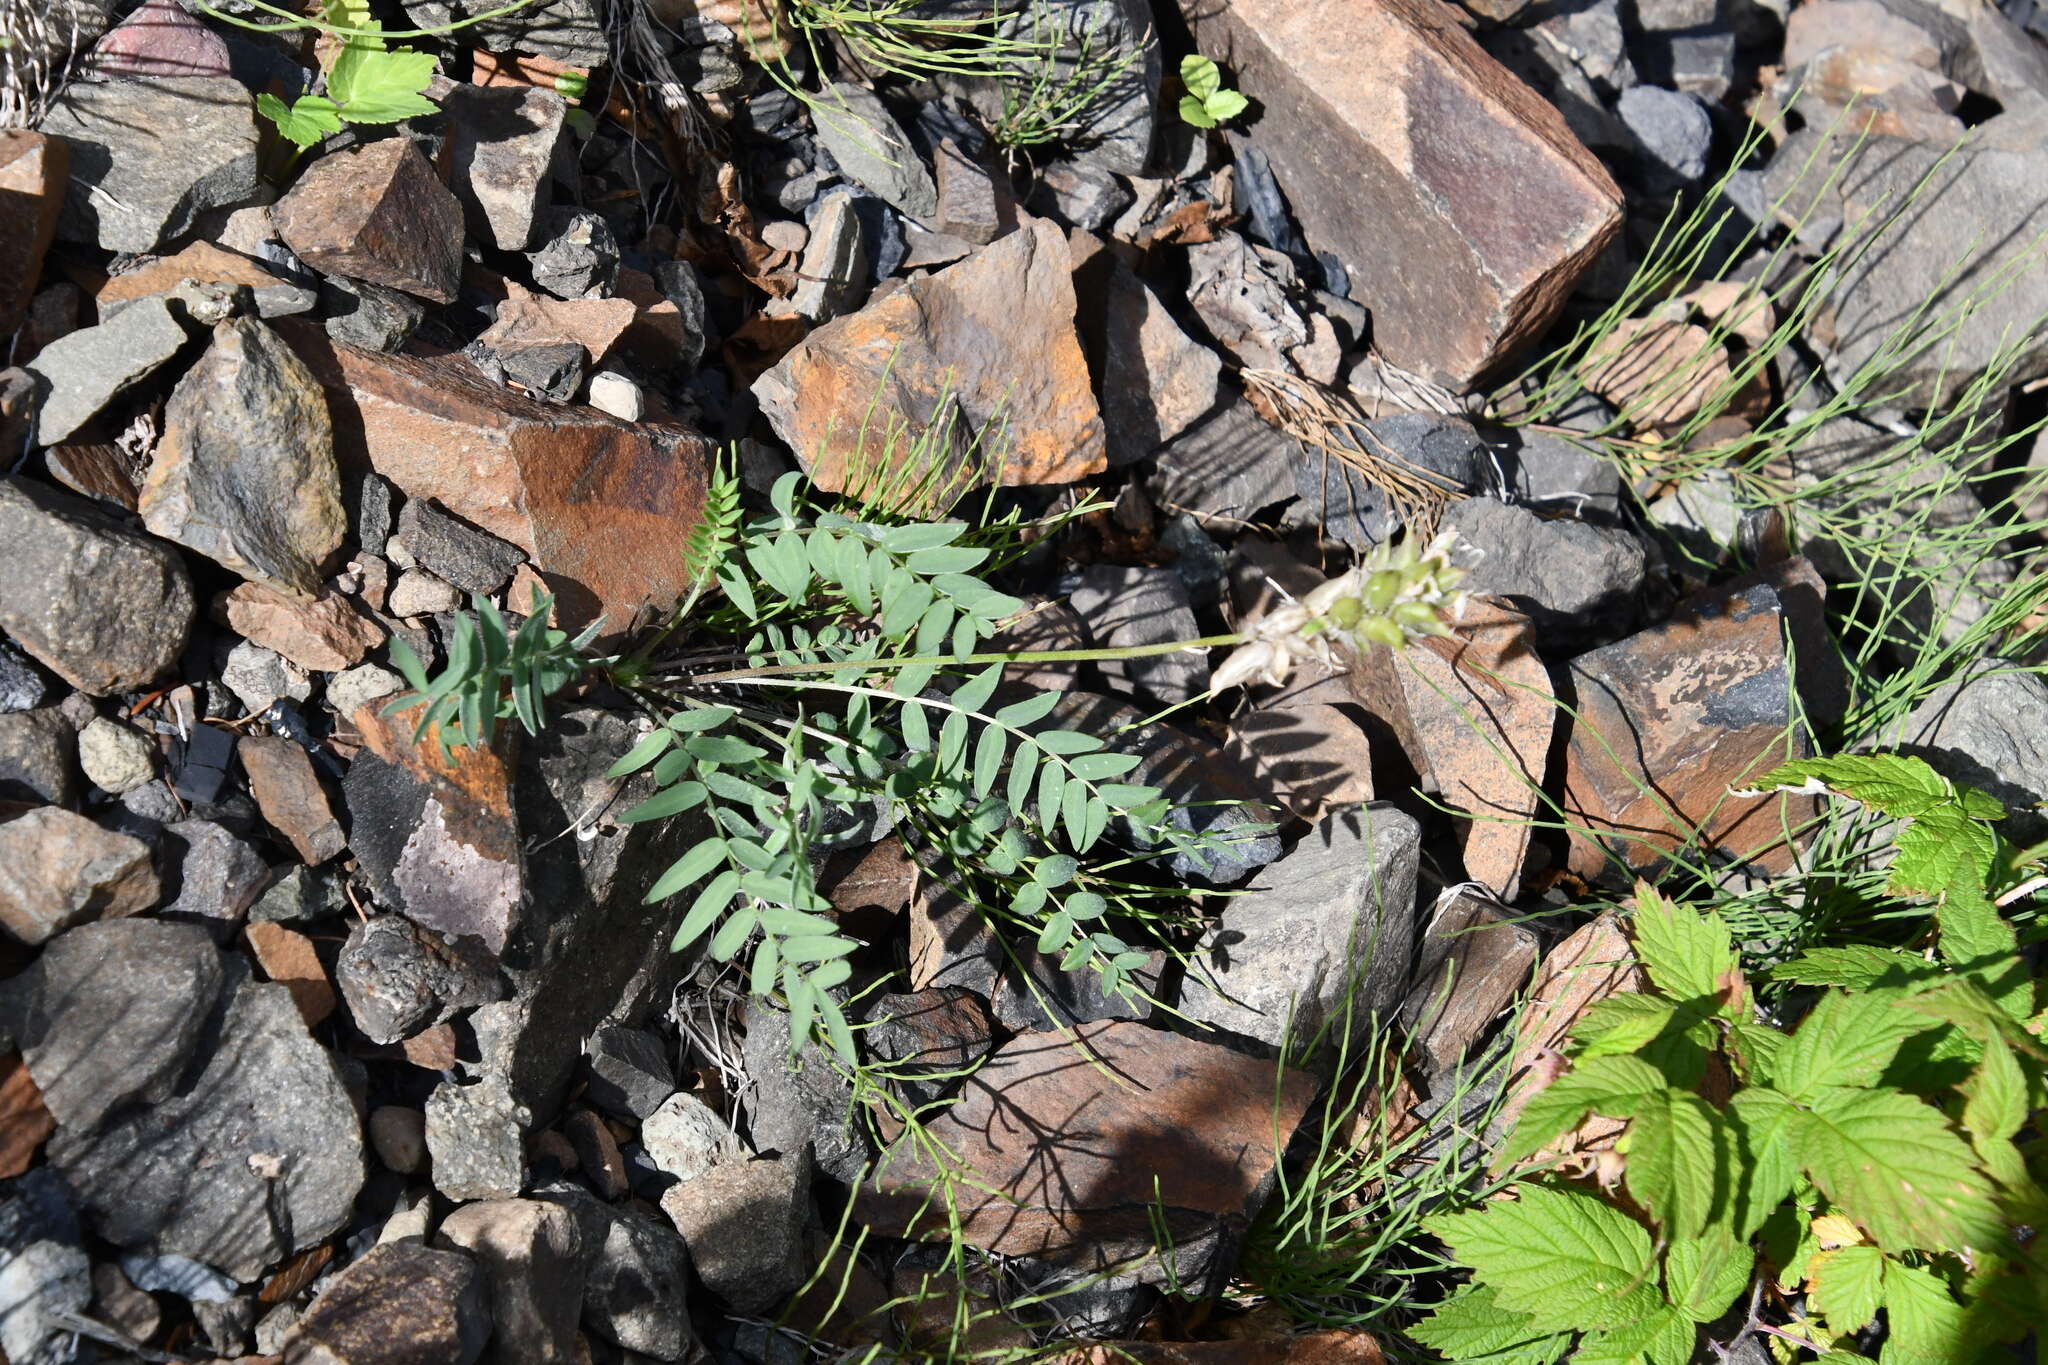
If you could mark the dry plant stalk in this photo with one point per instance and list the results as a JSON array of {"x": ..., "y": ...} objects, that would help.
[{"x": 38, "y": 41}]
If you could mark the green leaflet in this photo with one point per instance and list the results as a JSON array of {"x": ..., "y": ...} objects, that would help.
[
  {"x": 1564, "y": 1258},
  {"x": 1892, "y": 1163}
]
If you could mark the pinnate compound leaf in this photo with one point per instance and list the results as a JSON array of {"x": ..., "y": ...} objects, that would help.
[
  {"x": 1471, "y": 1326},
  {"x": 1892, "y": 1163},
  {"x": 1847, "y": 1286},
  {"x": 1565, "y": 1258},
  {"x": 666, "y": 802}
]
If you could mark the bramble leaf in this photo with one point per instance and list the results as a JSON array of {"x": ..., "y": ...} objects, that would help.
[
  {"x": 1471, "y": 1326},
  {"x": 1688, "y": 954},
  {"x": 372, "y": 85},
  {"x": 1892, "y": 1163},
  {"x": 1568, "y": 1260},
  {"x": 1847, "y": 1286},
  {"x": 304, "y": 121}
]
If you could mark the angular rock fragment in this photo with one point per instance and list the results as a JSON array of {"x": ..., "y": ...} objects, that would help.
[
  {"x": 1129, "y": 607},
  {"x": 149, "y": 157},
  {"x": 38, "y": 757},
  {"x": 58, "y": 869},
  {"x": 582, "y": 493},
  {"x": 1315, "y": 757},
  {"x": 377, "y": 213},
  {"x": 744, "y": 1224},
  {"x": 1226, "y": 468},
  {"x": 288, "y": 958},
  {"x": 1466, "y": 211},
  {"x": 982, "y": 346},
  {"x": 1075, "y": 1167},
  {"x": 685, "y": 1137},
  {"x": 44, "y": 1273},
  {"x": 1154, "y": 379},
  {"x": 221, "y": 1171},
  {"x": 872, "y": 149},
  {"x": 500, "y": 148},
  {"x": 1574, "y": 579},
  {"x": 1988, "y": 728},
  {"x": 401, "y": 1303},
  {"x": 205, "y": 263},
  {"x": 794, "y": 1107},
  {"x": 160, "y": 39},
  {"x": 289, "y": 794},
  {"x": 245, "y": 471},
  {"x": 577, "y": 256},
  {"x": 81, "y": 373},
  {"x": 116, "y": 758},
  {"x": 531, "y": 1256},
  {"x": 1472, "y": 962},
  {"x": 1322, "y": 940},
  {"x": 323, "y": 635},
  {"x": 636, "y": 1290},
  {"x": 476, "y": 1136},
  {"x": 220, "y": 875},
  {"x": 630, "y": 1072},
  {"x": 110, "y": 1014},
  {"x": 34, "y": 170},
  {"x": 397, "y": 979}
]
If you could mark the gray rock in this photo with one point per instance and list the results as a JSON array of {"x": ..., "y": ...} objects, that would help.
[
  {"x": 1342, "y": 504},
  {"x": 636, "y": 1287},
  {"x": 1672, "y": 133},
  {"x": 397, "y": 978},
  {"x": 1095, "y": 38},
  {"x": 629, "y": 1072},
  {"x": 149, "y": 157},
  {"x": 501, "y": 147},
  {"x": 258, "y": 677},
  {"x": 872, "y": 150},
  {"x": 571, "y": 32},
  {"x": 685, "y": 1137},
  {"x": 59, "y": 869},
  {"x": 105, "y": 608},
  {"x": 116, "y": 758},
  {"x": 1988, "y": 728},
  {"x": 180, "y": 1275},
  {"x": 1126, "y": 607},
  {"x": 834, "y": 275},
  {"x": 1699, "y": 62},
  {"x": 1335, "y": 917},
  {"x": 22, "y": 686},
  {"x": 396, "y": 1304},
  {"x": 399, "y": 1136},
  {"x": 225, "y": 1326},
  {"x": 805, "y": 1103},
  {"x": 38, "y": 757},
  {"x": 1584, "y": 579},
  {"x": 577, "y": 257},
  {"x": 358, "y": 686},
  {"x": 374, "y": 317},
  {"x": 744, "y": 1224},
  {"x": 419, "y": 593},
  {"x": 221, "y": 1171},
  {"x": 220, "y": 875},
  {"x": 111, "y": 1014},
  {"x": 300, "y": 895},
  {"x": 79, "y": 374},
  {"x": 531, "y": 1256},
  {"x": 1226, "y": 468},
  {"x": 1661, "y": 16},
  {"x": 682, "y": 285},
  {"x": 473, "y": 560},
  {"x": 245, "y": 472},
  {"x": 476, "y": 1135},
  {"x": 1081, "y": 194},
  {"x": 45, "y": 1276},
  {"x": 1055, "y": 999},
  {"x": 928, "y": 1035},
  {"x": 1155, "y": 379},
  {"x": 1554, "y": 474}
]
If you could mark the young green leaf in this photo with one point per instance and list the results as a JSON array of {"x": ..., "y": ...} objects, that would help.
[
  {"x": 1561, "y": 1256},
  {"x": 304, "y": 121},
  {"x": 1892, "y": 1163},
  {"x": 371, "y": 85},
  {"x": 1847, "y": 1286},
  {"x": 1687, "y": 953},
  {"x": 1200, "y": 75}
]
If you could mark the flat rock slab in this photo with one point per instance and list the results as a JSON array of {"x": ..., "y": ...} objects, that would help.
[
  {"x": 1461, "y": 205},
  {"x": 984, "y": 346},
  {"x": 1072, "y": 1154},
  {"x": 82, "y": 372},
  {"x": 584, "y": 494}
]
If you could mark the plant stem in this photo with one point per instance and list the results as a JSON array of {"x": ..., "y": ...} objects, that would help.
[{"x": 1035, "y": 656}]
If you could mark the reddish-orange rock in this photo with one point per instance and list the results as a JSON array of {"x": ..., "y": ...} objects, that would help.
[
  {"x": 377, "y": 213},
  {"x": 1461, "y": 205},
  {"x": 200, "y": 261},
  {"x": 1595, "y": 962},
  {"x": 34, "y": 173},
  {"x": 324, "y": 635},
  {"x": 1075, "y": 1145},
  {"x": 289, "y": 794},
  {"x": 601, "y": 506},
  {"x": 24, "y": 1122},
  {"x": 977, "y": 349},
  {"x": 288, "y": 958},
  {"x": 529, "y": 319}
]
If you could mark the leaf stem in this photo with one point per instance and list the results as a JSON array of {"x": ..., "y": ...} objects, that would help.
[{"x": 1034, "y": 656}]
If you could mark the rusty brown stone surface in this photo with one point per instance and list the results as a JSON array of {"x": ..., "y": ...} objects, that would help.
[
  {"x": 590, "y": 498},
  {"x": 1473, "y": 960},
  {"x": 1462, "y": 708},
  {"x": 1669, "y": 720},
  {"x": 24, "y": 1122},
  {"x": 377, "y": 213},
  {"x": 323, "y": 635},
  {"x": 287, "y": 957},
  {"x": 1593, "y": 963},
  {"x": 529, "y": 319},
  {"x": 1657, "y": 371},
  {"x": 1462, "y": 206},
  {"x": 289, "y": 794},
  {"x": 1072, "y": 1154},
  {"x": 201, "y": 261},
  {"x": 990, "y": 341},
  {"x": 35, "y": 170}
]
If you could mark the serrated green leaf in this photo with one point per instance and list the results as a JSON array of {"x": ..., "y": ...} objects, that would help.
[
  {"x": 304, "y": 121},
  {"x": 1622, "y": 1024},
  {"x": 1598, "y": 1084},
  {"x": 1858, "y": 966},
  {"x": 1847, "y": 1286},
  {"x": 1925, "y": 1325},
  {"x": 371, "y": 85},
  {"x": 1561, "y": 1256},
  {"x": 1672, "y": 1167},
  {"x": 666, "y": 802},
  {"x": 1759, "y": 1124},
  {"x": 1704, "y": 1275},
  {"x": 688, "y": 869},
  {"x": 1995, "y": 1096},
  {"x": 1688, "y": 954},
  {"x": 1664, "y": 1337},
  {"x": 651, "y": 747},
  {"x": 1891, "y": 783},
  {"x": 1892, "y": 1163},
  {"x": 1471, "y": 1326},
  {"x": 1847, "y": 1040}
]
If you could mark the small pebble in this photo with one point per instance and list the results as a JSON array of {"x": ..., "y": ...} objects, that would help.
[
  {"x": 612, "y": 392},
  {"x": 419, "y": 593},
  {"x": 115, "y": 757},
  {"x": 785, "y": 234},
  {"x": 400, "y": 1137}
]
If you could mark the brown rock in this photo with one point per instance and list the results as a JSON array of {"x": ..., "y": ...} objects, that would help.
[
  {"x": 324, "y": 635},
  {"x": 1464, "y": 710},
  {"x": 1154, "y": 380},
  {"x": 1455, "y": 196},
  {"x": 1071, "y": 1161},
  {"x": 583, "y": 493},
  {"x": 1657, "y": 372},
  {"x": 431, "y": 1049},
  {"x": 97, "y": 471},
  {"x": 884, "y": 876},
  {"x": 377, "y": 213},
  {"x": 245, "y": 472},
  {"x": 984, "y": 347},
  {"x": 1594, "y": 963},
  {"x": 289, "y": 794},
  {"x": 597, "y": 1154},
  {"x": 401, "y": 1303},
  {"x": 34, "y": 172},
  {"x": 528, "y": 319},
  {"x": 24, "y": 1122},
  {"x": 58, "y": 870},
  {"x": 160, "y": 39},
  {"x": 287, "y": 957},
  {"x": 202, "y": 261},
  {"x": 1311, "y": 756},
  {"x": 1668, "y": 721},
  {"x": 1472, "y": 962}
]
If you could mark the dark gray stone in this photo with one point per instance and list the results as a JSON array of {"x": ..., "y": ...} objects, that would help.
[
  {"x": 1335, "y": 917},
  {"x": 300, "y": 895},
  {"x": 681, "y": 285},
  {"x": 1672, "y": 133},
  {"x": 473, "y": 560},
  {"x": 397, "y": 978},
  {"x": 1554, "y": 474},
  {"x": 105, "y": 608},
  {"x": 79, "y": 374},
  {"x": 1226, "y": 468},
  {"x": 38, "y": 757},
  {"x": 629, "y": 1072},
  {"x": 501, "y": 147},
  {"x": 1573, "y": 577},
  {"x": 743, "y": 1222},
  {"x": 872, "y": 150},
  {"x": 1988, "y": 728},
  {"x": 1079, "y": 194},
  {"x": 1062, "y": 999},
  {"x": 371, "y": 316},
  {"x": 149, "y": 157},
  {"x": 1343, "y": 505},
  {"x": 930, "y": 1033},
  {"x": 636, "y": 1286},
  {"x": 45, "y": 1275},
  {"x": 110, "y": 1014},
  {"x": 798, "y": 1104},
  {"x": 577, "y": 254},
  {"x": 22, "y": 685},
  {"x": 567, "y": 31},
  {"x": 1126, "y": 607},
  {"x": 397, "y": 1304},
  {"x": 222, "y": 1171},
  {"x": 219, "y": 876}
]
